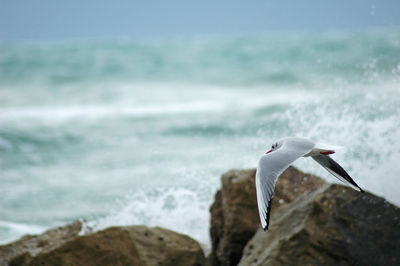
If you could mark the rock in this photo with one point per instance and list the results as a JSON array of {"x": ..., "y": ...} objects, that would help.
[
  {"x": 32, "y": 245},
  {"x": 234, "y": 213},
  {"x": 334, "y": 225},
  {"x": 130, "y": 245}
]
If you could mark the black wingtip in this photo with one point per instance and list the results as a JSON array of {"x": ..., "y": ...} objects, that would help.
[
  {"x": 268, "y": 213},
  {"x": 361, "y": 190}
]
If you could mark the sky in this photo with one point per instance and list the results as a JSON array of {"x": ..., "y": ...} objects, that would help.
[{"x": 58, "y": 20}]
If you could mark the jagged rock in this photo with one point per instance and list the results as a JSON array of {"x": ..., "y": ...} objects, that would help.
[
  {"x": 234, "y": 213},
  {"x": 130, "y": 245},
  {"x": 31, "y": 245},
  {"x": 334, "y": 225}
]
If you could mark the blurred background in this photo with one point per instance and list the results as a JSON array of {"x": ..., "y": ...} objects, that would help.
[{"x": 128, "y": 112}]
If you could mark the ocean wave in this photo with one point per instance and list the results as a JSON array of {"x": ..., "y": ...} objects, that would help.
[
  {"x": 88, "y": 123},
  {"x": 104, "y": 111},
  {"x": 11, "y": 230},
  {"x": 218, "y": 101}
]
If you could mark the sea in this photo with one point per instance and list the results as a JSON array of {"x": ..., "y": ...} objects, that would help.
[{"x": 122, "y": 131}]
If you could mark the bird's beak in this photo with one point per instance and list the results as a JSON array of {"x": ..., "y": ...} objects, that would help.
[
  {"x": 327, "y": 152},
  {"x": 268, "y": 151}
]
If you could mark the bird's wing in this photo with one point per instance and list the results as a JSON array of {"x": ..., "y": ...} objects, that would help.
[
  {"x": 269, "y": 168},
  {"x": 335, "y": 169}
]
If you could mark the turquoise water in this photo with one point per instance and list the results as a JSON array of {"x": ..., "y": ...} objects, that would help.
[{"x": 139, "y": 132}]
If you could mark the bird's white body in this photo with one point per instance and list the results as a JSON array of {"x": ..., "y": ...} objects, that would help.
[{"x": 283, "y": 153}]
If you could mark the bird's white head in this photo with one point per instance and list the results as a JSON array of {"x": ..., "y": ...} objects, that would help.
[{"x": 275, "y": 146}]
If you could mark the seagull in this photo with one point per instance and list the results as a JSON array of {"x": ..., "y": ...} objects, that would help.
[{"x": 280, "y": 156}]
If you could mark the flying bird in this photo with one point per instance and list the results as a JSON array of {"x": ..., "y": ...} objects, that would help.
[{"x": 280, "y": 156}]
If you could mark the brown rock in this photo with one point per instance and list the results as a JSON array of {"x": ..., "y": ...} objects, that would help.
[
  {"x": 131, "y": 245},
  {"x": 234, "y": 213},
  {"x": 335, "y": 225},
  {"x": 32, "y": 245}
]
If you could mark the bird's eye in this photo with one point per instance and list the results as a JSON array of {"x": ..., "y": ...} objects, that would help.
[{"x": 272, "y": 146}]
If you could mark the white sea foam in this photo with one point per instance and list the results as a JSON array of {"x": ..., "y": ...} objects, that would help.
[
  {"x": 177, "y": 209},
  {"x": 368, "y": 131}
]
